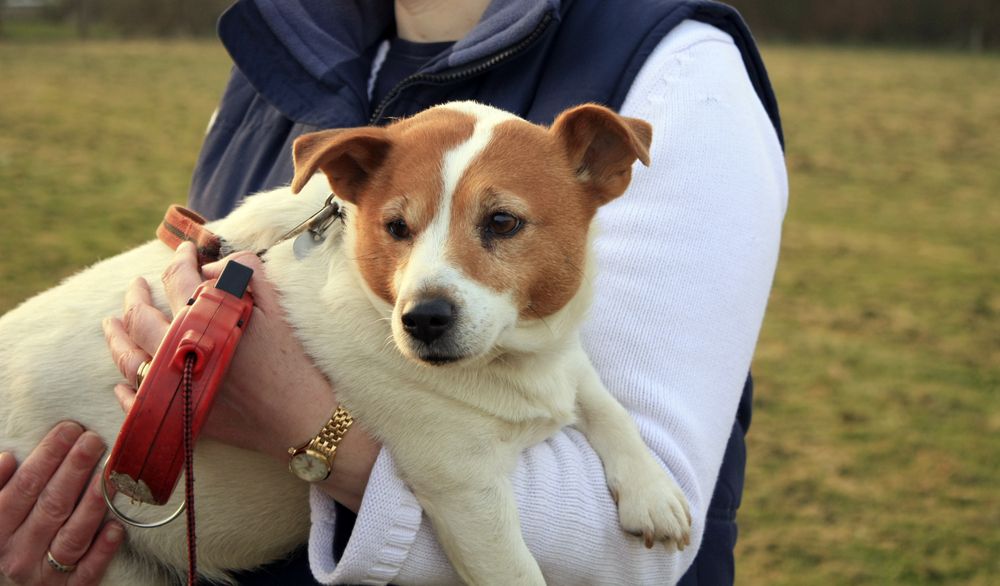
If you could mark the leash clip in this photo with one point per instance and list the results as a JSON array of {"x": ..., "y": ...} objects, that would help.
[
  {"x": 123, "y": 516},
  {"x": 312, "y": 231}
]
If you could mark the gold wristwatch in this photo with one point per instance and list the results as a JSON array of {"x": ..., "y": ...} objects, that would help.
[{"x": 313, "y": 460}]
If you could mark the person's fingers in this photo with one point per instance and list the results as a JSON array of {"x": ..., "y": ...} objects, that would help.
[
  {"x": 8, "y": 464},
  {"x": 74, "y": 538},
  {"x": 181, "y": 276},
  {"x": 143, "y": 321},
  {"x": 264, "y": 295},
  {"x": 58, "y": 499},
  {"x": 126, "y": 396},
  {"x": 19, "y": 494},
  {"x": 125, "y": 352},
  {"x": 90, "y": 570},
  {"x": 213, "y": 269}
]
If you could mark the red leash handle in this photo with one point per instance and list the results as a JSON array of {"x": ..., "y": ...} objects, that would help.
[{"x": 147, "y": 458}]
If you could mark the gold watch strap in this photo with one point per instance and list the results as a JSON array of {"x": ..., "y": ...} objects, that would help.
[{"x": 333, "y": 432}]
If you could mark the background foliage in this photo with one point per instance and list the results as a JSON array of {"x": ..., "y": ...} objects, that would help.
[
  {"x": 124, "y": 18},
  {"x": 969, "y": 24},
  {"x": 972, "y": 24}
]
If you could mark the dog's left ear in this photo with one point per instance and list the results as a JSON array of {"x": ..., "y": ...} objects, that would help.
[
  {"x": 602, "y": 146},
  {"x": 348, "y": 157}
]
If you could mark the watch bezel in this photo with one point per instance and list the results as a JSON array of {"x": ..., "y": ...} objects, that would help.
[{"x": 314, "y": 457}]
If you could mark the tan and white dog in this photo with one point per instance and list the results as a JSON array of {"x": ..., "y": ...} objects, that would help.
[{"x": 445, "y": 311}]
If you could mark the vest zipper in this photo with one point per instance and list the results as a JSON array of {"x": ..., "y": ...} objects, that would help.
[{"x": 467, "y": 71}]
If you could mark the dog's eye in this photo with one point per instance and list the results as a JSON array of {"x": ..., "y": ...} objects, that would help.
[
  {"x": 398, "y": 229},
  {"x": 502, "y": 224}
]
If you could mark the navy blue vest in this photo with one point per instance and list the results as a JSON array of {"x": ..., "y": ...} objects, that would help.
[{"x": 304, "y": 65}]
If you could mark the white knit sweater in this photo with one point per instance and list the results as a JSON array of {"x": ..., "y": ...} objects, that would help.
[{"x": 686, "y": 258}]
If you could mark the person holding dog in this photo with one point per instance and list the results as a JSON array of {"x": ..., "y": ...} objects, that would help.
[{"x": 687, "y": 256}]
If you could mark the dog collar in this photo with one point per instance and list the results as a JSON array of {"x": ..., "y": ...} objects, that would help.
[{"x": 181, "y": 224}]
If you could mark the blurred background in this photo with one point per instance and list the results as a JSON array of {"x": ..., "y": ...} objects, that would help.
[{"x": 874, "y": 456}]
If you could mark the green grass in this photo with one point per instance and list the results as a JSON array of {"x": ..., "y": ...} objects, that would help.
[
  {"x": 45, "y": 31},
  {"x": 95, "y": 140},
  {"x": 874, "y": 456}
]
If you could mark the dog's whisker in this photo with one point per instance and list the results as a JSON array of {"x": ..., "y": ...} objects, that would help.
[
  {"x": 378, "y": 320},
  {"x": 540, "y": 318},
  {"x": 583, "y": 274},
  {"x": 389, "y": 342}
]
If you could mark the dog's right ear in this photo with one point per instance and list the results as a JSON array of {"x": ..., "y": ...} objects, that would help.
[
  {"x": 348, "y": 157},
  {"x": 602, "y": 146}
]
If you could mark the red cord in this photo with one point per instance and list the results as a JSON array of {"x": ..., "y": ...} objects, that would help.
[{"x": 189, "y": 468}]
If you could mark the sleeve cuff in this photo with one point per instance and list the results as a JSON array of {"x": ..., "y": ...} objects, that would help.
[{"x": 387, "y": 524}]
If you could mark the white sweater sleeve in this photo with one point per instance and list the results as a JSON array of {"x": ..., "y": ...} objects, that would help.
[{"x": 686, "y": 258}]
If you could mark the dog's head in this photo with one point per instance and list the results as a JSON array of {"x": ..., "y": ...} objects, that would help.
[{"x": 471, "y": 222}]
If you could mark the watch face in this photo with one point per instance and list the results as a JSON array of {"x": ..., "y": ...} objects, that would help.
[{"x": 309, "y": 466}]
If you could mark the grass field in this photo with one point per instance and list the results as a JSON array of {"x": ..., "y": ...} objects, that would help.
[{"x": 874, "y": 453}]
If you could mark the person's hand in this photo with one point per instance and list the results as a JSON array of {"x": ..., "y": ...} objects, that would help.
[
  {"x": 51, "y": 516},
  {"x": 272, "y": 388},
  {"x": 273, "y": 397}
]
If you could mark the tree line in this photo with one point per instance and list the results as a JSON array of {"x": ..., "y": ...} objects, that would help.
[
  {"x": 126, "y": 18},
  {"x": 968, "y": 24}
]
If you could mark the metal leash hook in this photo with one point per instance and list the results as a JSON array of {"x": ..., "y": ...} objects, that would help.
[
  {"x": 123, "y": 517},
  {"x": 312, "y": 231}
]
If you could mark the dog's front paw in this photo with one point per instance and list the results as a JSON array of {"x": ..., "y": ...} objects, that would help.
[{"x": 652, "y": 506}]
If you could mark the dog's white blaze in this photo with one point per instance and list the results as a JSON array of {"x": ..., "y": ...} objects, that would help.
[
  {"x": 428, "y": 256},
  {"x": 484, "y": 313}
]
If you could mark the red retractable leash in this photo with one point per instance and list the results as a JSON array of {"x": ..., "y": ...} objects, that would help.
[{"x": 157, "y": 439}]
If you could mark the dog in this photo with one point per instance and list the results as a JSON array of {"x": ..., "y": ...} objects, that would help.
[{"x": 466, "y": 243}]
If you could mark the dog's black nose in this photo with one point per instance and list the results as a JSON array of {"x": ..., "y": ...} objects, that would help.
[{"x": 428, "y": 320}]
